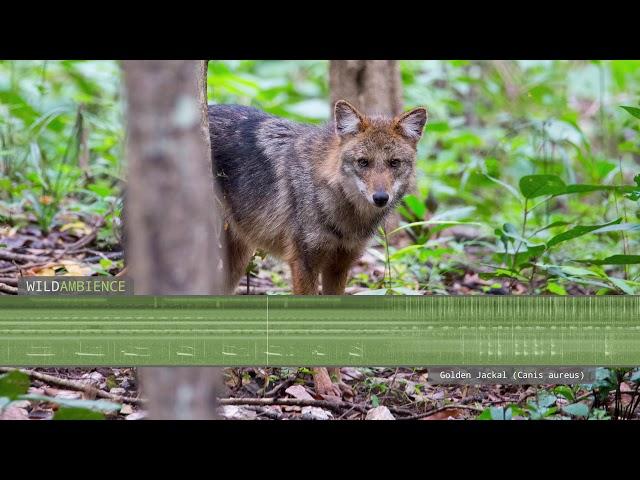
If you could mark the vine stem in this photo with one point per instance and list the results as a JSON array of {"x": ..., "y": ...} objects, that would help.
[
  {"x": 524, "y": 229},
  {"x": 387, "y": 265}
]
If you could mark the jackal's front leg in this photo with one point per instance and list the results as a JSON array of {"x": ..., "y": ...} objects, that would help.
[
  {"x": 305, "y": 282},
  {"x": 334, "y": 280},
  {"x": 304, "y": 278},
  {"x": 336, "y": 273}
]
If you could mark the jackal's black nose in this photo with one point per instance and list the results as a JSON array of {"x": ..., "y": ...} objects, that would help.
[{"x": 380, "y": 198}]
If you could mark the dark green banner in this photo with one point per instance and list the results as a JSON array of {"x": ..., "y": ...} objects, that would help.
[{"x": 320, "y": 330}]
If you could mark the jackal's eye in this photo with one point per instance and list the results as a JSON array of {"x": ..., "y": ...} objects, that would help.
[
  {"x": 394, "y": 163},
  {"x": 363, "y": 162}
]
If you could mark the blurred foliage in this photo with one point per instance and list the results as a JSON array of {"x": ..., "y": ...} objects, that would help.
[{"x": 61, "y": 132}]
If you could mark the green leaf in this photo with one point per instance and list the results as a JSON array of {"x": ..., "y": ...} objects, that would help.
[
  {"x": 404, "y": 291},
  {"x": 614, "y": 260},
  {"x": 632, "y": 110},
  {"x": 576, "y": 272},
  {"x": 14, "y": 384},
  {"x": 75, "y": 413},
  {"x": 502, "y": 273},
  {"x": 495, "y": 413},
  {"x": 528, "y": 253},
  {"x": 510, "y": 230},
  {"x": 622, "y": 227},
  {"x": 453, "y": 214},
  {"x": 375, "y": 401},
  {"x": 102, "y": 190},
  {"x": 559, "y": 223},
  {"x": 429, "y": 222},
  {"x": 546, "y": 399},
  {"x": 556, "y": 288},
  {"x": 539, "y": 185},
  {"x": 565, "y": 391},
  {"x": 106, "y": 263},
  {"x": 485, "y": 415},
  {"x": 578, "y": 231},
  {"x": 622, "y": 285},
  {"x": 508, "y": 187},
  {"x": 533, "y": 186},
  {"x": 415, "y": 205},
  {"x": 580, "y": 188},
  {"x": 576, "y": 409}
]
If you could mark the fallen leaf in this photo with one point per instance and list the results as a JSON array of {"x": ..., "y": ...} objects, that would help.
[
  {"x": 76, "y": 269},
  {"x": 66, "y": 394},
  {"x": 626, "y": 399},
  {"x": 136, "y": 416},
  {"x": 14, "y": 413},
  {"x": 79, "y": 228},
  {"x": 315, "y": 413},
  {"x": 236, "y": 412},
  {"x": 21, "y": 404},
  {"x": 41, "y": 414},
  {"x": 126, "y": 409},
  {"x": 352, "y": 373},
  {"x": 95, "y": 378},
  {"x": 448, "y": 414},
  {"x": 299, "y": 392},
  {"x": 43, "y": 271},
  {"x": 379, "y": 413}
]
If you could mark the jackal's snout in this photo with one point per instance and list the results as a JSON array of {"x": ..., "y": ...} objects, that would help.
[{"x": 380, "y": 199}]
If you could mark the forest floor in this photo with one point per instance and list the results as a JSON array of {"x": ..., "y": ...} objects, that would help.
[{"x": 251, "y": 393}]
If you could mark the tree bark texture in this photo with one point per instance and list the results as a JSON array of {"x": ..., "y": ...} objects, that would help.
[
  {"x": 372, "y": 86},
  {"x": 173, "y": 223}
]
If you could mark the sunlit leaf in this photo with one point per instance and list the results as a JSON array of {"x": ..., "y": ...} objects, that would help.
[
  {"x": 533, "y": 186},
  {"x": 579, "y": 231}
]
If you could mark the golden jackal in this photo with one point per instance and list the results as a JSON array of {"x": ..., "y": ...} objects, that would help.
[{"x": 311, "y": 195}]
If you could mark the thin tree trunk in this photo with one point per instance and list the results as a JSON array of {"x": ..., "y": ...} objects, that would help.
[
  {"x": 372, "y": 86},
  {"x": 172, "y": 223}
]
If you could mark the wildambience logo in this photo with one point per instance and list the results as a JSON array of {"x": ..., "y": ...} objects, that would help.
[{"x": 75, "y": 286}]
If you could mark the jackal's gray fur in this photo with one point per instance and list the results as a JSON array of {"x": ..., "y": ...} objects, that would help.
[{"x": 298, "y": 192}]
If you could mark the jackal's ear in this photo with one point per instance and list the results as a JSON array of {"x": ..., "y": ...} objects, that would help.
[
  {"x": 347, "y": 119},
  {"x": 412, "y": 123}
]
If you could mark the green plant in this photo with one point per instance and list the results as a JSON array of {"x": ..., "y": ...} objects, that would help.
[{"x": 520, "y": 251}]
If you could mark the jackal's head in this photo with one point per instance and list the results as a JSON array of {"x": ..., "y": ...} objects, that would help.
[{"x": 377, "y": 155}]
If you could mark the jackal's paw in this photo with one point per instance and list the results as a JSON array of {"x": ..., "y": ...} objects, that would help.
[
  {"x": 328, "y": 389},
  {"x": 324, "y": 386},
  {"x": 346, "y": 390}
]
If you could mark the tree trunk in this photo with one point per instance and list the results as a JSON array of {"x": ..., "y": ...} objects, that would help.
[
  {"x": 173, "y": 227},
  {"x": 372, "y": 86}
]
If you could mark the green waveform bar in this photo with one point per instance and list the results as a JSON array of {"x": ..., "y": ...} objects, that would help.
[{"x": 320, "y": 330}]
